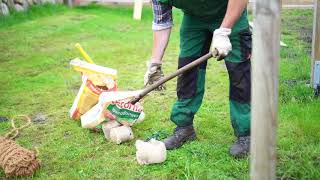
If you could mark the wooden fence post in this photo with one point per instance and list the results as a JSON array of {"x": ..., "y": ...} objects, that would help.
[
  {"x": 68, "y": 2},
  {"x": 265, "y": 71},
  {"x": 316, "y": 38},
  {"x": 138, "y": 4}
]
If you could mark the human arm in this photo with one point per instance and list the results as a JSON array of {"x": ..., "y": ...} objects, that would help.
[
  {"x": 221, "y": 41},
  {"x": 160, "y": 42},
  {"x": 234, "y": 11},
  {"x": 161, "y": 26}
]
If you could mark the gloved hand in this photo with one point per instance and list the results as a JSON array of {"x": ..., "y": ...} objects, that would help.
[
  {"x": 153, "y": 74},
  {"x": 221, "y": 45}
]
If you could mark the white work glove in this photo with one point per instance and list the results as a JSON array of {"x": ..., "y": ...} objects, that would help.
[{"x": 221, "y": 45}]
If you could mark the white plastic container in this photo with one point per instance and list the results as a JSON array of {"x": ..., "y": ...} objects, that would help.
[
  {"x": 150, "y": 152},
  {"x": 107, "y": 126},
  {"x": 121, "y": 134}
]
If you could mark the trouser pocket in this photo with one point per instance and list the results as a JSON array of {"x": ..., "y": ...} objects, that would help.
[{"x": 245, "y": 37}]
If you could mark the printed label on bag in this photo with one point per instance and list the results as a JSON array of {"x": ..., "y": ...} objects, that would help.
[{"x": 124, "y": 111}]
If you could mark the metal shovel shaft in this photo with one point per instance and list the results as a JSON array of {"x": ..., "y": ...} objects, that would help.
[{"x": 185, "y": 68}]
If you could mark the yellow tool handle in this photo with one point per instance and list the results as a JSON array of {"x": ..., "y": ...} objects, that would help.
[{"x": 84, "y": 54}]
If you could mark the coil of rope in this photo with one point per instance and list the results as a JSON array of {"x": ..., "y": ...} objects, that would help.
[{"x": 14, "y": 159}]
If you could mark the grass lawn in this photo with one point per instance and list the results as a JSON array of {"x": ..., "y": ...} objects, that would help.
[{"x": 35, "y": 50}]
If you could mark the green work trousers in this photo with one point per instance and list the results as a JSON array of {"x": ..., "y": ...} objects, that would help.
[{"x": 195, "y": 41}]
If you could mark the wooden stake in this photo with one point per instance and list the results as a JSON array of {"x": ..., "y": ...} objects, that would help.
[
  {"x": 138, "y": 4},
  {"x": 315, "y": 38},
  {"x": 265, "y": 70}
]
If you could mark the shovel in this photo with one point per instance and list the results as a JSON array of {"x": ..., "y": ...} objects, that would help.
[
  {"x": 183, "y": 69},
  {"x": 152, "y": 87}
]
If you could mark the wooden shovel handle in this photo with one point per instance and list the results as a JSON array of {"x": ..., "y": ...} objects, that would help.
[{"x": 183, "y": 69}]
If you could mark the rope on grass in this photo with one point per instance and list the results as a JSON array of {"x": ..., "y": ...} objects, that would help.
[{"x": 14, "y": 159}]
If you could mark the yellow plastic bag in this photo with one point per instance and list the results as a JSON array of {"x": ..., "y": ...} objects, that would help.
[{"x": 95, "y": 80}]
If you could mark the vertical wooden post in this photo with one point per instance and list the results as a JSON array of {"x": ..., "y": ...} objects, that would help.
[
  {"x": 68, "y": 2},
  {"x": 265, "y": 70},
  {"x": 138, "y": 4},
  {"x": 316, "y": 38}
]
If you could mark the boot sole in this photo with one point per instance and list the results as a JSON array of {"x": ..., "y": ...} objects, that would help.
[
  {"x": 189, "y": 138},
  {"x": 240, "y": 156}
]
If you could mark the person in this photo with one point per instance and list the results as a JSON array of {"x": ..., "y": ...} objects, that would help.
[{"x": 223, "y": 26}]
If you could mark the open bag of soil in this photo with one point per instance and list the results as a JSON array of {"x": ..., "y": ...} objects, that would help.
[
  {"x": 114, "y": 106},
  {"x": 95, "y": 80}
]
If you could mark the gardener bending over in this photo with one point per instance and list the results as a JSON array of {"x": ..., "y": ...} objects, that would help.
[{"x": 223, "y": 25}]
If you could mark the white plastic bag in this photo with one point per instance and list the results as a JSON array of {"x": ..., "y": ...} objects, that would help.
[{"x": 98, "y": 113}]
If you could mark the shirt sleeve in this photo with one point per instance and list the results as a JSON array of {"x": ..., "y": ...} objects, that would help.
[{"x": 162, "y": 16}]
